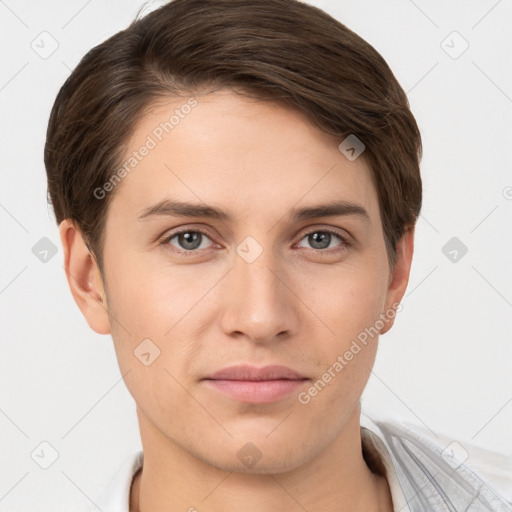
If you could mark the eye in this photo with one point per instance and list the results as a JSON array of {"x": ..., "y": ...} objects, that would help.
[
  {"x": 191, "y": 240},
  {"x": 187, "y": 240},
  {"x": 321, "y": 239}
]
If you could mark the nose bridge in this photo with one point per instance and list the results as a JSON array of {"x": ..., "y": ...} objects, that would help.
[
  {"x": 259, "y": 303},
  {"x": 255, "y": 279}
]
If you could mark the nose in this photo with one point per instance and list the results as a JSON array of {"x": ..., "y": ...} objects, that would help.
[{"x": 258, "y": 304}]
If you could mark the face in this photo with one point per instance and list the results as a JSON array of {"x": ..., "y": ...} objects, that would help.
[{"x": 267, "y": 280}]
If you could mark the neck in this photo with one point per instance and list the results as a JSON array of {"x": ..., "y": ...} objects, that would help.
[{"x": 337, "y": 479}]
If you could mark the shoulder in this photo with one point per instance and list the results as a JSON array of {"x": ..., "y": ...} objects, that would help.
[
  {"x": 115, "y": 495},
  {"x": 436, "y": 472}
]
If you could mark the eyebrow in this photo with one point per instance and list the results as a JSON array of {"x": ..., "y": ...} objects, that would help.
[{"x": 168, "y": 207}]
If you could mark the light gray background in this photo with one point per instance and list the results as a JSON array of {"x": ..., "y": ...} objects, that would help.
[{"x": 446, "y": 364}]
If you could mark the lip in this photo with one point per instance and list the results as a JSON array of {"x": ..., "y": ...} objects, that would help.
[
  {"x": 252, "y": 373},
  {"x": 249, "y": 384}
]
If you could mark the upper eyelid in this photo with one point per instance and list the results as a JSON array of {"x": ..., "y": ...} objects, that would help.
[{"x": 168, "y": 236}]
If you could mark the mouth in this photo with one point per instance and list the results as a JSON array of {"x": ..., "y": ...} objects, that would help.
[{"x": 256, "y": 385}]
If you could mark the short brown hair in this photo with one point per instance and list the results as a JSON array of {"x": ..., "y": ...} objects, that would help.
[{"x": 284, "y": 50}]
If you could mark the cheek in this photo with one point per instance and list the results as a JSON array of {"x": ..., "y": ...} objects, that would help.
[
  {"x": 346, "y": 300},
  {"x": 154, "y": 320},
  {"x": 152, "y": 348},
  {"x": 345, "y": 353},
  {"x": 150, "y": 299},
  {"x": 347, "y": 305}
]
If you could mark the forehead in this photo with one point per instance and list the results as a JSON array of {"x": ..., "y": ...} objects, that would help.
[{"x": 255, "y": 157}]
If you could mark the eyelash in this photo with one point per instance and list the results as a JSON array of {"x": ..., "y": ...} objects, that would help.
[{"x": 341, "y": 248}]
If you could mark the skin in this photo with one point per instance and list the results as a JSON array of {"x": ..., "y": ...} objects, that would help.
[{"x": 296, "y": 305}]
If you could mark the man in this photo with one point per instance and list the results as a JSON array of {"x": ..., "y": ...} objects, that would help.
[{"x": 237, "y": 185}]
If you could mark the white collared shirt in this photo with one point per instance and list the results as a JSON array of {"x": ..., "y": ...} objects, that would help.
[{"x": 426, "y": 472}]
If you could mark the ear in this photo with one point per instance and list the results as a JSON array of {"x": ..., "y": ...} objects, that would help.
[
  {"x": 84, "y": 278},
  {"x": 399, "y": 277}
]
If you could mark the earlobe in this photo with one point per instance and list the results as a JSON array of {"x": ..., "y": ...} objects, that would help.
[
  {"x": 84, "y": 278},
  {"x": 399, "y": 277}
]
